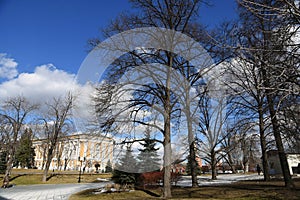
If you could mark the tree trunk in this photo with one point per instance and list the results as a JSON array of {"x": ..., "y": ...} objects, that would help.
[
  {"x": 282, "y": 156},
  {"x": 65, "y": 164},
  {"x": 7, "y": 172},
  {"x": 167, "y": 160},
  {"x": 213, "y": 165},
  {"x": 191, "y": 140},
  {"x": 231, "y": 164},
  {"x": 263, "y": 145},
  {"x": 167, "y": 134},
  {"x": 45, "y": 173},
  {"x": 47, "y": 165},
  {"x": 276, "y": 131},
  {"x": 194, "y": 164},
  {"x": 11, "y": 155}
]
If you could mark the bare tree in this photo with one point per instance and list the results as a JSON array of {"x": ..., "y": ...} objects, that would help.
[
  {"x": 249, "y": 100},
  {"x": 213, "y": 120},
  {"x": 55, "y": 126},
  {"x": 172, "y": 15},
  {"x": 13, "y": 116},
  {"x": 267, "y": 41},
  {"x": 290, "y": 125}
]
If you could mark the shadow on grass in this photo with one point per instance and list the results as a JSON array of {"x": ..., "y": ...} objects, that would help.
[
  {"x": 153, "y": 194},
  {"x": 52, "y": 175},
  {"x": 189, "y": 192},
  {"x": 11, "y": 179},
  {"x": 275, "y": 184}
]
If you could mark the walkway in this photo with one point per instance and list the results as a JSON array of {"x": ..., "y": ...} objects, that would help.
[{"x": 45, "y": 192}]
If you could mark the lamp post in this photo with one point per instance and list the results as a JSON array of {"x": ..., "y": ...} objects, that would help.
[{"x": 80, "y": 160}]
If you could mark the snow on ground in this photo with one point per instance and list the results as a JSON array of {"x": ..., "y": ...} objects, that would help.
[{"x": 221, "y": 179}]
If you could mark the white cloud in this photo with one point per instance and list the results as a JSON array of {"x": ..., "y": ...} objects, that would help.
[
  {"x": 46, "y": 83},
  {"x": 8, "y": 67}
]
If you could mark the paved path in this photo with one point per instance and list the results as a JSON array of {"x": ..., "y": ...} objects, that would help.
[{"x": 45, "y": 192}]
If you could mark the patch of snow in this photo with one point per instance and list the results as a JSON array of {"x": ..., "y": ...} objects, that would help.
[
  {"x": 102, "y": 179},
  {"x": 221, "y": 179}
]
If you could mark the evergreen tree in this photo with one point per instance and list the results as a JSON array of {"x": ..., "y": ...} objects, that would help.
[
  {"x": 108, "y": 167},
  {"x": 25, "y": 153},
  {"x": 124, "y": 173},
  {"x": 148, "y": 158},
  {"x": 188, "y": 168}
]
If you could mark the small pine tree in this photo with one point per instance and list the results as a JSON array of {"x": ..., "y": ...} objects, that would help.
[
  {"x": 148, "y": 157},
  {"x": 25, "y": 153},
  {"x": 124, "y": 171},
  {"x": 188, "y": 168},
  {"x": 108, "y": 167}
]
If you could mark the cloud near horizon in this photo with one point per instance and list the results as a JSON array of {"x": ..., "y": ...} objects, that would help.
[{"x": 46, "y": 83}]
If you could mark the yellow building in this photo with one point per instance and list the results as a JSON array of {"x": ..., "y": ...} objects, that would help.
[{"x": 75, "y": 151}]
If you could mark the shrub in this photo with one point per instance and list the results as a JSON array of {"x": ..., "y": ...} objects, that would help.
[
  {"x": 155, "y": 178},
  {"x": 150, "y": 179}
]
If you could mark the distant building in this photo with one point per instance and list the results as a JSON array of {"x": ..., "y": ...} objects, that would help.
[
  {"x": 75, "y": 151},
  {"x": 274, "y": 162}
]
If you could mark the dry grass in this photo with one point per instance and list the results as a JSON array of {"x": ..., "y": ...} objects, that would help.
[
  {"x": 29, "y": 177},
  {"x": 246, "y": 190},
  {"x": 134, "y": 195}
]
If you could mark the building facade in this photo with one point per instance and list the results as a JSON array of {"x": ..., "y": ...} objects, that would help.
[
  {"x": 85, "y": 151},
  {"x": 274, "y": 162}
]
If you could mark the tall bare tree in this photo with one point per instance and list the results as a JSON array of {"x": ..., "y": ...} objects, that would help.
[
  {"x": 14, "y": 114},
  {"x": 267, "y": 42},
  {"x": 173, "y": 15},
  {"x": 249, "y": 99},
  {"x": 213, "y": 123},
  {"x": 56, "y": 125}
]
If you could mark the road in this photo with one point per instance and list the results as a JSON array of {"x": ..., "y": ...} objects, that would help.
[{"x": 45, "y": 192}]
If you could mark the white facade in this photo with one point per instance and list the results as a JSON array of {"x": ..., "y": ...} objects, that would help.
[
  {"x": 75, "y": 151},
  {"x": 274, "y": 162},
  {"x": 293, "y": 161}
]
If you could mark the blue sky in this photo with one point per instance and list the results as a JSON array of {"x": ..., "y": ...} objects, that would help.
[
  {"x": 36, "y": 32},
  {"x": 43, "y": 43}
]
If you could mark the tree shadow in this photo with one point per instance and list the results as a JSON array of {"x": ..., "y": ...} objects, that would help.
[
  {"x": 19, "y": 175},
  {"x": 49, "y": 177},
  {"x": 153, "y": 194}
]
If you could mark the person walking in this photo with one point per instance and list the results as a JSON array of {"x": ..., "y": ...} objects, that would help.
[{"x": 258, "y": 169}]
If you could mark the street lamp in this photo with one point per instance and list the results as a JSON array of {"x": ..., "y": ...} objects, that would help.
[{"x": 80, "y": 160}]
